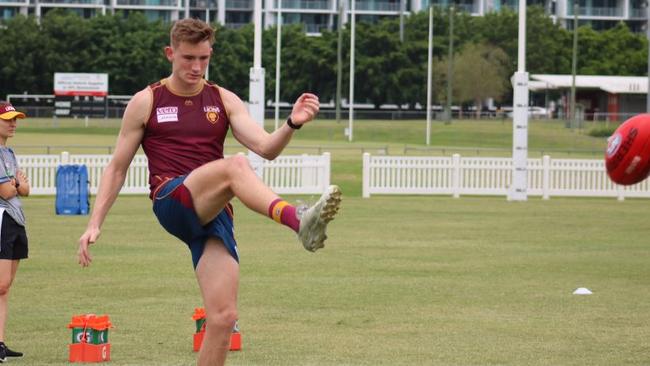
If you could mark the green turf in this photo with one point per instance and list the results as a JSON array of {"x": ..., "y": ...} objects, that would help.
[{"x": 402, "y": 281}]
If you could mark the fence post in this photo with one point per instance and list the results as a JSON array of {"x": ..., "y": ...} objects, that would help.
[
  {"x": 546, "y": 176},
  {"x": 65, "y": 158},
  {"x": 366, "y": 175},
  {"x": 621, "y": 192},
  {"x": 306, "y": 179},
  {"x": 327, "y": 158},
  {"x": 455, "y": 162}
]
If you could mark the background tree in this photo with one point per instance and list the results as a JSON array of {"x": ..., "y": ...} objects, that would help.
[
  {"x": 616, "y": 51},
  {"x": 132, "y": 53},
  {"x": 480, "y": 72},
  {"x": 68, "y": 42},
  {"x": 232, "y": 58},
  {"x": 22, "y": 50},
  {"x": 130, "y": 50},
  {"x": 307, "y": 65},
  {"x": 378, "y": 58}
]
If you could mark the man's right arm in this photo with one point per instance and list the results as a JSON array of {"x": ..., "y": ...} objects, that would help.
[{"x": 128, "y": 142}]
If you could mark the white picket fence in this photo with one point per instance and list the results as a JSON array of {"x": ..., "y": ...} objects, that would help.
[
  {"x": 291, "y": 174},
  {"x": 457, "y": 176}
]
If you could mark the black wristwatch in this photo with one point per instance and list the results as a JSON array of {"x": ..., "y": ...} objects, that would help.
[{"x": 292, "y": 125}]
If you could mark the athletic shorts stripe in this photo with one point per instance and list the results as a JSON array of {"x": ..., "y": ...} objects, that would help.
[{"x": 172, "y": 205}]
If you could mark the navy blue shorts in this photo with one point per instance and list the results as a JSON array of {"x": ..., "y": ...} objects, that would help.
[{"x": 172, "y": 205}]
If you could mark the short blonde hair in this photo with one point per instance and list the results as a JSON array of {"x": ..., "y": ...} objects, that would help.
[{"x": 192, "y": 31}]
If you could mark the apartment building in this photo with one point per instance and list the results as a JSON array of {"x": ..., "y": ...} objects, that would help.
[{"x": 316, "y": 15}]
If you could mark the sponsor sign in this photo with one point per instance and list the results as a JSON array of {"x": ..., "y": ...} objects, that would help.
[{"x": 82, "y": 84}]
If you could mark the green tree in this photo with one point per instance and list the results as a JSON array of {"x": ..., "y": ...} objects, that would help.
[
  {"x": 378, "y": 58},
  {"x": 480, "y": 72},
  {"x": 307, "y": 66},
  {"x": 413, "y": 83},
  {"x": 232, "y": 58},
  {"x": 548, "y": 46},
  {"x": 67, "y": 43},
  {"x": 130, "y": 50},
  {"x": 616, "y": 51},
  {"x": 306, "y": 63},
  {"x": 22, "y": 67}
]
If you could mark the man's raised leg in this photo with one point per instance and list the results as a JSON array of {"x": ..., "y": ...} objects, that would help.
[{"x": 214, "y": 184}]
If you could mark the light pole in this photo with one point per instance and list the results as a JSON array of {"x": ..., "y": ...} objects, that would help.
[
  {"x": 339, "y": 63},
  {"x": 278, "y": 62},
  {"x": 574, "y": 65},
  {"x": 429, "y": 72},
  {"x": 647, "y": 32},
  {"x": 351, "y": 98},
  {"x": 402, "y": 6},
  {"x": 450, "y": 64}
]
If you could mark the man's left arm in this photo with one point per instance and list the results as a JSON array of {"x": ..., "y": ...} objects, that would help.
[{"x": 254, "y": 137}]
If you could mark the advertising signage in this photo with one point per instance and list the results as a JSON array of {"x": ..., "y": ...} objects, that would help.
[{"x": 80, "y": 84}]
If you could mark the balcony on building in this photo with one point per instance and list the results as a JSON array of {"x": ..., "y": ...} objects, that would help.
[
  {"x": 312, "y": 24},
  {"x": 4, "y": 3},
  {"x": 206, "y": 10},
  {"x": 597, "y": 9},
  {"x": 239, "y": 5},
  {"x": 304, "y": 5},
  {"x": 153, "y": 10},
  {"x": 83, "y": 8},
  {"x": 11, "y": 8},
  {"x": 375, "y": 6},
  {"x": 148, "y": 4}
]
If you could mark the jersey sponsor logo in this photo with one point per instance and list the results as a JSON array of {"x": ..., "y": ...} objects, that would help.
[
  {"x": 212, "y": 113},
  {"x": 188, "y": 102},
  {"x": 167, "y": 114}
]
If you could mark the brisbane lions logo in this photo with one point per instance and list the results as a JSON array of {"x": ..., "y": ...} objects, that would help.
[{"x": 212, "y": 113}]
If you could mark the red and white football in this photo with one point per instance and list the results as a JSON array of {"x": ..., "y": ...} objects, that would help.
[{"x": 628, "y": 151}]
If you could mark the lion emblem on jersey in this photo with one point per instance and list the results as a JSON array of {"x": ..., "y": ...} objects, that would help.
[
  {"x": 213, "y": 117},
  {"x": 212, "y": 113}
]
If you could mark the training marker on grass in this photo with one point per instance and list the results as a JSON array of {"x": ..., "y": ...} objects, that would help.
[
  {"x": 582, "y": 291},
  {"x": 199, "y": 318},
  {"x": 90, "y": 338}
]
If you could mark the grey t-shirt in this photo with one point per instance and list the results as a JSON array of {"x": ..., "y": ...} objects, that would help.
[{"x": 8, "y": 169}]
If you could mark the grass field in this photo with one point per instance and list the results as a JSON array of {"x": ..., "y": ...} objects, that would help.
[{"x": 402, "y": 280}]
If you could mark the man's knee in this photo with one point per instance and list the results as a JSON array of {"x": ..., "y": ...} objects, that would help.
[
  {"x": 221, "y": 319},
  {"x": 239, "y": 162},
  {"x": 4, "y": 288}
]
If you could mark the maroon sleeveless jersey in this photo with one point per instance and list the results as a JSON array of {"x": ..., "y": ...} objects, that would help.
[{"x": 183, "y": 132}]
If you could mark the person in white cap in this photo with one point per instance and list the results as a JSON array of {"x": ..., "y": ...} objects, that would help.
[{"x": 13, "y": 238}]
